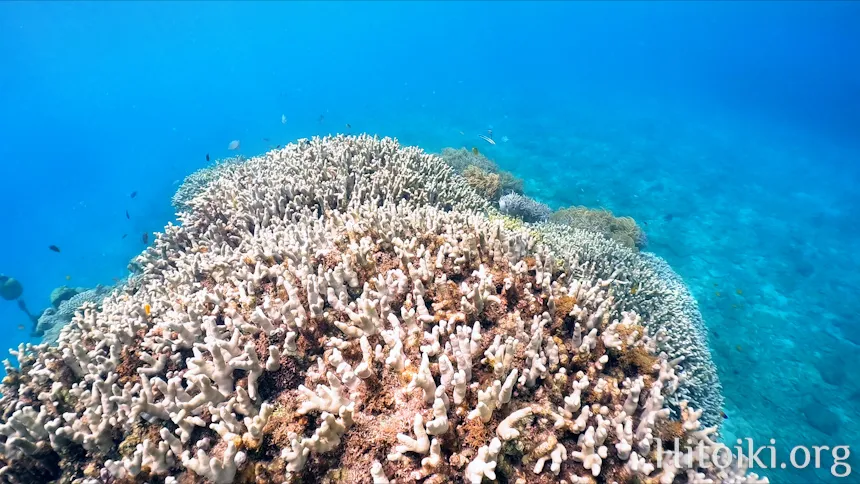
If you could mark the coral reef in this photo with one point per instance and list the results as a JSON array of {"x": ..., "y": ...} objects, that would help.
[
  {"x": 652, "y": 289},
  {"x": 64, "y": 304},
  {"x": 460, "y": 158},
  {"x": 487, "y": 184},
  {"x": 623, "y": 230},
  {"x": 344, "y": 310},
  {"x": 525, "y": 208},
  {"x": 64, "y": 293},
  {"x": 482, "y": 174},
  {"x": 197, "y": 181}
]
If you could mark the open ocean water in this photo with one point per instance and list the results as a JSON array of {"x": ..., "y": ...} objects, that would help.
[{"x": 730, "y": 131}]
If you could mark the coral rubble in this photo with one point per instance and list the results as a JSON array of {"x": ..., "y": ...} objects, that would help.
[{"x": 343, "y": 310}]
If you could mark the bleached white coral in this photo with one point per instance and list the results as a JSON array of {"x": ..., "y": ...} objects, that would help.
[{"x": 321, "y": 266}]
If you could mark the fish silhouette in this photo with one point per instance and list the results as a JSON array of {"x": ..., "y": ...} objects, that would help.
[
  {"x": 145, "y": 237},
  {"x": 54, "y": 248},
  {"x": 133, "y": 194},
  {"x": 207, "y": 156},
  {"x": 124, "y": 235},
  {"x": 127, "y": 215}
]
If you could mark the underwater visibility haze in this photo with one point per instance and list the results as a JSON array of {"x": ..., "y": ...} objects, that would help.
[{"x": 603, "y": 182}]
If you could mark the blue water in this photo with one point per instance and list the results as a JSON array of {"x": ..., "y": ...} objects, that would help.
[{"x": 728, "y": 130}]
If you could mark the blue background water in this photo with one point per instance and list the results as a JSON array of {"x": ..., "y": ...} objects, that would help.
[{"x": 731, "y": 129}]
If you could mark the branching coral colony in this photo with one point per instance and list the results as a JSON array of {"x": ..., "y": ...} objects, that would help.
[{"x": 340, "y": 310}]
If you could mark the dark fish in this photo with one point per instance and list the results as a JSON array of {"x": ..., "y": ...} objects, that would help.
[
  {"x": 207, "y": 156},
  {"x": 723, "y": 414},
  {"x": 124, "y": 235},
  {"x": 54, "y": 248},
  {"x": 145, "y": 237},
  {"x": 348, "y": 126},
  {"x": 265, "y": 139},
  {"x": 133, "y": 194},
  {"x": 475, "y": 151},
  {"x": 668, "y": 217},
  {"x": 645, "y": 222},
  {"x": 278, "y": 147},
  {"x": 127, "y": 215}
]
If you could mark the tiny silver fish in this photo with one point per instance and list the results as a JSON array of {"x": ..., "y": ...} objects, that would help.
[
  {"x": 234, "y": 145},
  {"x": 283, "y": 119}
]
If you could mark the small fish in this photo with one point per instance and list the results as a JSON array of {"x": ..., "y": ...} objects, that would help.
[
  {"x": 505, "y": 139},
  {"x": 266, "y": 140},
  {"x": 127, "y": 215},
  {"x": 147, "y": 309},
  {"x": 68, "y": 278},
  {"x": 740, "y": 292},
  {"x": 668, "y": 217},
  {"x": 234, "y": 145},
  {"x": 716, "y": 335},
  {"x": 145, "y": 237},
  {"x": 634, "y": 289},
  {"x": 283, "y": 119},
  {"x": 348, "y": 126},
  {"x": 124, "y": 235},
  {"x": 485, "y": 138},
  {"x": 133, "y": 194},
  {"x": 277, "y": 147},
  {"x": 738, "y": 347},
  {"x": 462, "y": 133},
  {"x": 717, "y": 293},
  {"x": 54, "y": 248},
  {"x": 645, "y": 222},
  {"x": 475, "y": 151},
  {"x": 321, "y": 119},
  {"x": 20, "y": 327},
  {"x": 207, "y": 156},
  {"x": 723, "y": 414}
]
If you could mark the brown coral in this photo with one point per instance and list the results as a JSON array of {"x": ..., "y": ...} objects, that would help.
[{"x": 623, "y": 230}]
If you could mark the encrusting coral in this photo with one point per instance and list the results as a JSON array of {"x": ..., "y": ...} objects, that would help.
[
  {"x": 623, "y": 230},
  {"x": 343, "y": 310}
]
